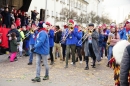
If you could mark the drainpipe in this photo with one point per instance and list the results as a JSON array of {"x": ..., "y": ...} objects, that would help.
[
  {"x": 54, "y": 12},
  {"x": 45, "y": 11}
]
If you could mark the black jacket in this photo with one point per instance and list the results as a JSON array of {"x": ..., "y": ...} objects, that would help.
[{"x": 57, "y": 37}]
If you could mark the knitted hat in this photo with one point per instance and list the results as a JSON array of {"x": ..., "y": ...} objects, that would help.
[{"x": 71, "y": 21}]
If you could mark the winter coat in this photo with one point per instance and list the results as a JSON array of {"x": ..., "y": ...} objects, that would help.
[
  {"x": 42, "y": 43},
  {"x": 95, "y": 39},
  {"x": 122, "y": 34},
  {"x": 13, "y": 45},
  {"x": 101, "y": 40},
  {"x": 72, "y": 38},
  {"x": 79, "y": 36},
  {"x": 51, "y": 38},
  {"x": 125, "y": 67},
  {"x": 58, "y": 36}
]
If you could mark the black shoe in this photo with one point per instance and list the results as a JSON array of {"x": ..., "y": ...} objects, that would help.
[
  {"x": 51, "y": 63},
  {"x": 15, "y": 59},
  {"x": 26, "y": 55},
  {"x": 9, "y": 57},
  {"x": 43, "y": 65},
  {"x": 30, "y": 63},
  {"x": 86, "y": 68},
  {"x": 93, "y": 66},
  {"x": 107, "y": 64},
  {"x": 37, "y": 79}
]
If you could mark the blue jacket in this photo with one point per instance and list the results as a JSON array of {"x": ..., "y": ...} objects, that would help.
[
  {"x": 122, "y": 34},
  {"x": 79, "y": 36},
  {"x": 72, "y": 38},
  {"x": 32, "y": 38},
  {"x": 42, "y": 43},
  {"x": 101, "y": 40},
  {"x": 51, "y": 38}
]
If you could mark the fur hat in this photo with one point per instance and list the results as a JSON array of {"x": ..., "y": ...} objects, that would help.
[{"x": 118, "y": 50}]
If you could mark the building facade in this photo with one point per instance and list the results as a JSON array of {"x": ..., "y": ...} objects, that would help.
[{"x": 59, "y": 11}]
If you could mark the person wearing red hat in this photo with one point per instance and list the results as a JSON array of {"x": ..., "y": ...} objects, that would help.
[
  {"x": 79, "y": 45},
  {"x": 63, "y": 44},
  {"x": 105, "y": 34},
  {"x": 71, "y": 40},
  {"x": 51, "y": 41}
]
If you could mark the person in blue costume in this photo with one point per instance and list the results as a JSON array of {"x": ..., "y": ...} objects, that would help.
[
  {"x": 71, "y": 41},
  {"x": 41, "y": 48},
  {"x": 51, "y": 43},
  {"x": 79, "y": 45},
  {"x": 122, "y": 32}
]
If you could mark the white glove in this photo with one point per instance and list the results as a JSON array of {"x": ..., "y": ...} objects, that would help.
[{"x": 10, "y": 38}]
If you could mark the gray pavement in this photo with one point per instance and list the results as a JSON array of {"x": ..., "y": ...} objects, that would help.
[{"x": 20, "y": 74}]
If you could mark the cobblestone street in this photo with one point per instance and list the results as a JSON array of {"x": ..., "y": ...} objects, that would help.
[{"x": 20, "y": 74}]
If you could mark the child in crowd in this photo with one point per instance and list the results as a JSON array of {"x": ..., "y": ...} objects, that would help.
[{"x": 13, "y": 47}]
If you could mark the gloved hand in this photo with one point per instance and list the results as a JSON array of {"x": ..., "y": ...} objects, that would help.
[{"x": 32, "y": 50}]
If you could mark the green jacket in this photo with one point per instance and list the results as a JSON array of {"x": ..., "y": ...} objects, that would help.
[{"x": 13, "y": 45}]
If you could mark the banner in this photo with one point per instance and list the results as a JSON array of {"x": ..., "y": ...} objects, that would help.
[{"x": 3, "y": 37}]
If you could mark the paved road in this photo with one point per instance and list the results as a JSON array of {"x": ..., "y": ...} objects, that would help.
[{"x": 20, "y": 74}]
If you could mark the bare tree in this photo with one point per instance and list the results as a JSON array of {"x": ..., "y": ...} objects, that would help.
[
  {"x": 66, "y": 14},
  {"x": 82, "y": 18},
  {"x": 91, "y": 17},
  {"x": 105, "y": 20},
  {"x": 97, "y": 19}
]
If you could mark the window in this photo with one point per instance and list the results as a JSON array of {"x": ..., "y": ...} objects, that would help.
[
  {"x": 56, "y": 14},
  {"x": 52, "y": 14},
  {"x": 47, "y": 12}
]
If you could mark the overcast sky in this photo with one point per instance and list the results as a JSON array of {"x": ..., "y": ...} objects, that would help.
[{"x": 117, "y": 9}]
